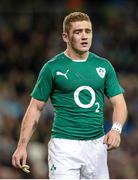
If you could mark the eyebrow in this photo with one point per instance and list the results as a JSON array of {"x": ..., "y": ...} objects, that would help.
[{"x": 82, "y": 29}]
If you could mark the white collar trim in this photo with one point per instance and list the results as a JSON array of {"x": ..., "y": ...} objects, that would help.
[{"x": 76, "y": 60}]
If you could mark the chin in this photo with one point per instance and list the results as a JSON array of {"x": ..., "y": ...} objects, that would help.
[
  {"x": 81, "y": 52},
  {"x": 84, "y": 49}
]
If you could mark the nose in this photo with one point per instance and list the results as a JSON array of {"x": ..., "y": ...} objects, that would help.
[{"x": 84, "y": 35}]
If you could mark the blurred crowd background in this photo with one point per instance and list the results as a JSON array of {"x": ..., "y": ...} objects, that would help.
[{"x": 30, "y": 34}]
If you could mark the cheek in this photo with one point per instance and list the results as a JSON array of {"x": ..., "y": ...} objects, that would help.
[
  {"x": 90, "y": 38},
  {"x": 75, "y": 41}
]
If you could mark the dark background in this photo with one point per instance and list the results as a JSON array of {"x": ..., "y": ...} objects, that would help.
[{"x": 30, "y": 34}]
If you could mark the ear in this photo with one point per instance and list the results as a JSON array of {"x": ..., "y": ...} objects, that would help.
[{"x": 65, "y": 37}]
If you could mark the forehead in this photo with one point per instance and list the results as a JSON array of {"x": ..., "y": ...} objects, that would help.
[{"x": 81, "y": 25}]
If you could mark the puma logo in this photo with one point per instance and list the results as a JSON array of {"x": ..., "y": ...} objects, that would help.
[{"x": 58, "y": 73}]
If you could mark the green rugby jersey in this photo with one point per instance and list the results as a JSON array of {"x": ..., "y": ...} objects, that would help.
[{"x": 76, "y": 90}]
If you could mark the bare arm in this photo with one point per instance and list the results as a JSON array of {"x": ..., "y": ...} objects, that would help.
[
  {"x": 119, "y": 109},
  {"x": 30, "y": 121},
  {"x": 28, "y": 126},
  {"x": 112, "y": 138}
]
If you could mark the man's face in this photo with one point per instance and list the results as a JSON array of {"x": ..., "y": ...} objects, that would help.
[{"x": 80, "y": 36}]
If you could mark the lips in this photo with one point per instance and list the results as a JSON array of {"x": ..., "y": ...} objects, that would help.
[{"x": 84, "y": 43}]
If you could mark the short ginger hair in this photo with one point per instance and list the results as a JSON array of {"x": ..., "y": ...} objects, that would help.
[{"x": 74, "y": 17}]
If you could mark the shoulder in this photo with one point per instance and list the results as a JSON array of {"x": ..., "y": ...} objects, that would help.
[
  {"x": 52, "y": 64},
  {"x": 56, "y": 59},
  {"x": 101, "y": 61},
  {"x": 53, "y": 61},
  {"x": 99, "y": 58}
]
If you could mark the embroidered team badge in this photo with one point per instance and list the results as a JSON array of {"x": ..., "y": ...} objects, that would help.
[{"x": 101, "y": 71}]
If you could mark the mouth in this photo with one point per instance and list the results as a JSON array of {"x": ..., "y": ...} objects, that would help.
[{"x": 84, "y": 44}]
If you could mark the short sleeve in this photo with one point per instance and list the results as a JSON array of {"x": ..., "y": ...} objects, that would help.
[
  {"x": 112, "y": 85},
  {"x": 43, "y": 86}
]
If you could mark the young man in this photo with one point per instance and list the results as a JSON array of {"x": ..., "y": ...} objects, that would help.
[{"x": 76, "y": 81}]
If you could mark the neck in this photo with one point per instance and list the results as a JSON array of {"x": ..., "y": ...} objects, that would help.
[{"x": 75, "y": 55}]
